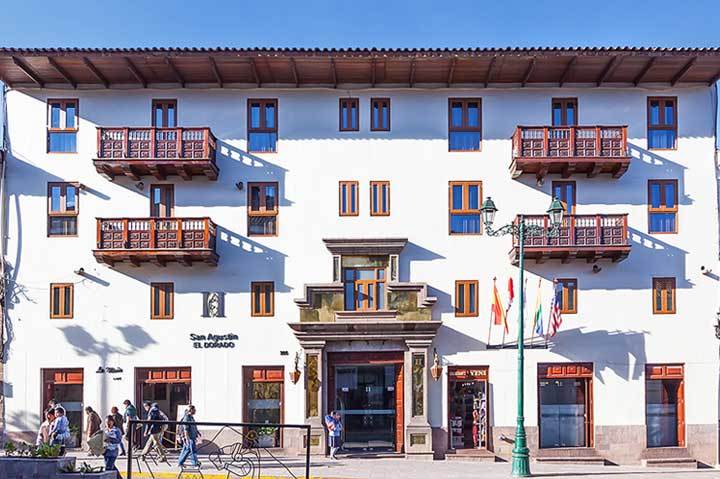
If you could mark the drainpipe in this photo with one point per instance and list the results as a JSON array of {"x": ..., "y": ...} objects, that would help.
[{"x": 3, "y": 285}]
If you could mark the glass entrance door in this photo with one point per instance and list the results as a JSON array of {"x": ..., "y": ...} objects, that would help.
[
  {"x": 563, "y": 412},
  {"x": 661, "y": 409},
  {"x": 365, "y": 397}
]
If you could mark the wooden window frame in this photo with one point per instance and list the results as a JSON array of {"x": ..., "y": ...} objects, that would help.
[
  {"x": 64, "y": 103},
  {"x": 164, "y": 103},
  {"x": 165, "y": 189},
  {"x": 263, "y": 212},
  {"x": 262, "y": 129},
  {"x": 657, "y": 283},
  {"x": 662, "y": 126},
  {"x": 166, "y": 294},
  {"x": 349, "y": 103},
  {"x": 564, "y": 102},
  {"x": 373, "y": 102},
  {"x": 63, "y": 213},
  {"x": 466, "y": 201},
  {"x": 574, "y": 194},
  {"x": 348, "y": 197},
  {"x": 662, "y": 209},
  {"x": 464, "y": 127},
  {"x": 362, "y": 304},
  {"x": 63, "y": 287},
  {"x": 566, "y": 295},
  {"x": 380, "y": 185},
  {"x": 258, "y": 288},
  {"x": 467, "y": 313}
]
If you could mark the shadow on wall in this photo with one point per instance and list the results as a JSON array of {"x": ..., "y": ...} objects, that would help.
[
  {"x": 412, "y": 253},
  {"x": 450, "y": 341}
]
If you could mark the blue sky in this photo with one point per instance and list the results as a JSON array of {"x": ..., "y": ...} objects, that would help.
[{"x": 360, "y": 23}]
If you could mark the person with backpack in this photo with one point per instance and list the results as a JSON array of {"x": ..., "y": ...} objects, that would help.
[{"x": 153, "y": 432}]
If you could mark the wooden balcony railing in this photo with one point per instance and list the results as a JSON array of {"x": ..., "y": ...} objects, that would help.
[
  {"x": 154, "y": 151},
  {"x": 589, "y": 237},
  {"x": 570, "y": 149},
  {"x": 158, "y": 240}
]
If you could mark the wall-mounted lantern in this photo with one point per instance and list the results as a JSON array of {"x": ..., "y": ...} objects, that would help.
[
  {"x": 436, "y": 369},
  {"x": 295, "y": 374}
]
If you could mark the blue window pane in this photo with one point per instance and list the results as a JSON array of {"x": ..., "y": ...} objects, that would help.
[
  {"x": 473, "y": 197},
  {"x": 353, "y": 200},
  {"x": 55, "y": 115},
  {"x": 473, "y": 115},
  {"x": 343, "y": 199},
  {"x": 270, "y": 197},
  {"x": 669, "y": 195},
  {"x": 376, "y": 116},
  {"x": 375, "y": 198},
  {"x": 662, "y": 223},
  {"x": 262, "y": 142},
  {"x": 669, "y": 113},
  {"x": 349, "y": 275},
  {"x": 655, "y": 195},
  {"x": 456, "y": 114},
  {"x": 664, "y": 139},
  {"x": 465, "y": 224},
  {"x": 460, "y": 298},
  {"x": 158, "y": 116},
  {"x": 385, "y": 117},
  {"x": 353, "y": 117},
  {"x": 654, "y": 112},
  {"x": 70, "y": 198},
  {"x": 262, "y": 225},
  {"x": 171, "y": 118},
  {"x": 349, "y": 296},
  {"x": 464, "y": 141},
  {"x": 570, "y": 112},
  {"x": 255, "y": 115},
  {"x": 254, "y": 198},
  {"x": 62, "y": 142},
  {"x": 343, "y": 116},
  {"x": 471, "y": 306},
  {"x": 269, "y": 116},
  {"x": 557, "y": 114},
  {"x": 365, "y": 274},
  {"x": 457, "y": 197},
  {"x": 55, "y": 192},
  {"x": 380, "y": 295},
  {"x": 70, "y": 114},
  {"x": 385, "y": 208}
]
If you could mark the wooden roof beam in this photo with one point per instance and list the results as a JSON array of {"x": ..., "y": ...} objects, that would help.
[
  {"x": 333, "y": 70},
  {"x": 96, "y": 72},
  {"x": 645, "y": 69},
  {"x": 609, "y": 68},
  {"x": 136, "y": 73},
  {"x": 216, "y": 72},
  {"x": 62, "y": 72},
  {"x": 528, "y": 72},
  {"x": 293, "y": 66},
  {"x": 568, "y": 67},
  {"x": 489, "y": 71},
  {"x": 681, "y": 73},
  {"x": 372, "y": 72},
  {"x": 411, "y": 79},
  {"x": 175, "y": 71},
  {"x": 451, "y": 72},
  {"x": 28, "y": 71},
  {"x": 253, "y": 67}
]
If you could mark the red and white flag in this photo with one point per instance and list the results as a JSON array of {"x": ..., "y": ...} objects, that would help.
[{"x": 511, "y": 296}]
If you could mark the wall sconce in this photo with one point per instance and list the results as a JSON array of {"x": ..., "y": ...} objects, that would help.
[
  {"x": 140, "y": 185},
  {"x": 295, "y": 374},
  {"x": 436, "y": 369},
  {"x": 596, "y": 269},
  {"x": 80, "y": 271},
  {"x": 239, "y": 185}
]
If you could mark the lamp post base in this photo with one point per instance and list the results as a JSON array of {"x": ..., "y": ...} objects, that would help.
[{"x": 521, "y": 462}]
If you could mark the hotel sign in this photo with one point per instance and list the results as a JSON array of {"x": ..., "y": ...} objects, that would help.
[{"x": 213, "y": 341}]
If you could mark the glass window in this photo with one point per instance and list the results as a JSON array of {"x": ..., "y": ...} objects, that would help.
[
  {"x": 568, "y": 299},
  {"x": 61, "y": 300},
  {"x": 263, "y": 209},
  {"x": 364, "y": 289},
  {"x": 466, "y": 299},
  {"x": 465, "y": 125},
  {"x": 662, "y": 123},
  {"x": 380, "y": 114},
  {"x": 161, "y": 295},
  {"x": 63, "y": 209},
  {"x": 379, "y": 198},
  {"x": 348, "y": 197},
  {"x": 263, "y": 298},
  {"x": 662, "y": 206},
  {"x": 565, "y": 192},
  {"x": 564, "y": 111},
  {"x": 664, "y": 295},
  {"x": 349, "y": 114},
  {"x": 62, "y": 126},
  {"x": 165, "y": 113},
  {"x": 465, "y": 207},
  {"x": 262, "y": 126}
]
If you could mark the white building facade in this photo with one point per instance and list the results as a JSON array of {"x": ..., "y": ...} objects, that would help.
[{"x": 325, "y": 207}]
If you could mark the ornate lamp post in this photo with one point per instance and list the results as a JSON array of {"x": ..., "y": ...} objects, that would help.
[{"x": 521, "y": 453}]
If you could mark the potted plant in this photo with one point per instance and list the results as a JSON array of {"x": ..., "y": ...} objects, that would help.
[
  {"x": 25, "y": 460},
  {"x": 266, "y": 436}
]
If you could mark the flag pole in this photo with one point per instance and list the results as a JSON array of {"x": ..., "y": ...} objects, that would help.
[{"x": 490, "y": 321}]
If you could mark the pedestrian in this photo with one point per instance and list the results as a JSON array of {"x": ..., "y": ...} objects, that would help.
[
  {"x": 190, "y": 435},
  {"x": 476, "y": 428},
  {"x": 93, "y": 423},
  {"x": 43, "y": 436},
  {"x": 153, "y": 432},
  {"x": 118, "y": 418},
  {"x": 129, "y": 414},
  {"x": 53, "y": 404},
  {"x": 334, "y": 424},
  {"x": 112, "y": 437},
  {"x": 60, "y": 429}
]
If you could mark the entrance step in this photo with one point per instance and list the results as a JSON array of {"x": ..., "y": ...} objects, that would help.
[
  {"x": 667, "y": 457},
  {"x": 370, "y": 455},
  {"x": 470, "y": 455},
  {"x": 570, "y": 455}
]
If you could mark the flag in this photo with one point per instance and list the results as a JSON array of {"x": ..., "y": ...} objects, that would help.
[
  {"x": 555, "y": 316},
  {"x": 511, "y": 296},
  {"x": 497, "y": 313},
  {"x": 537, "y": 317}
]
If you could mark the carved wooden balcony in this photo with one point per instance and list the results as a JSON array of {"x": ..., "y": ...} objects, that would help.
[
  {"x": 156, "y": 240},
  {"x": 160, "y": 152},
  {"x": 569, "y": 150},
  {"x": 588, "y": 237}
]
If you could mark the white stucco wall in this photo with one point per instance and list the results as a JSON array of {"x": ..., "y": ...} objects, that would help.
[{"x": 614, "y": 328}]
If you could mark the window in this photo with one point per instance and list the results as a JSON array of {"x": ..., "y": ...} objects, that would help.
[
  {"x": 466, "y": 298},
  {"x": 380, "y": 114},
  {"x": 262, "y": 298},
  {"x": 349, "y": 114},
  {"x": 565, "y": 192},
  {"x": 63, "y": 207},
  {"x": 161, "y": 300},
  {"x": 164, "y": 113},
  {"x": 262, "y": 126},
  {"x": 348, "y": 199},
  {"x": 564, "y": 112},
  {"x": 664, "y": 295},
  {"x": 379, "y": 198},
  {"x": 262, "y": 209},
  {"x": 662, "y": 123},
  {"x": 161, "y": 201},
  {"x": 568, "y": 300},
  {"x": 62, "y": 126},
  {"x": 465, "y": 207},
  {"x": 464, "y": 124},
  {"x": 662, "y": 206},
  {"x": 61, "y": 300},
  {"x": 364, "y": 289}
]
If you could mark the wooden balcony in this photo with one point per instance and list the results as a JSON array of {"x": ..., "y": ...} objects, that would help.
[
  {"x": 158, "y": 152},
  {"x": 156, "y": 240},
  {"x": 588, "y": 237},
  {"x": 569, "y": 150}
]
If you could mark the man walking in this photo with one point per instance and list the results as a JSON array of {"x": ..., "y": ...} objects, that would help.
[
  {"x": 190, "y": 435},
  {"x": 153, "y": 432},
  {"x": 334, "y": 425},
  {"x": 130, "y": 413},
  {"x": 93, "y": 423}
]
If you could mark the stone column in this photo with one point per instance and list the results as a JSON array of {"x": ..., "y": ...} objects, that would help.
[
  {"x": 418, "y": 433},
  {"x": 314, "y": 394}
]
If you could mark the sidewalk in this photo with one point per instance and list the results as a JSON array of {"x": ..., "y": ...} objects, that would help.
[{"x": 324, "y": 468}]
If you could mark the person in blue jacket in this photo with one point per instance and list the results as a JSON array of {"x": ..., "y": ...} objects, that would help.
[
  {"x": 111, "y": 437},
  {"x": 334, "y": 424}
]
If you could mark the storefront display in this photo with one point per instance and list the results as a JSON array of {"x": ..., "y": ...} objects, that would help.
[{"x": 468, "y": 407}]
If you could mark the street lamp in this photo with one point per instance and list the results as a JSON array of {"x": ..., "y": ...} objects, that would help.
[{"x": 520, "y": 230}]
